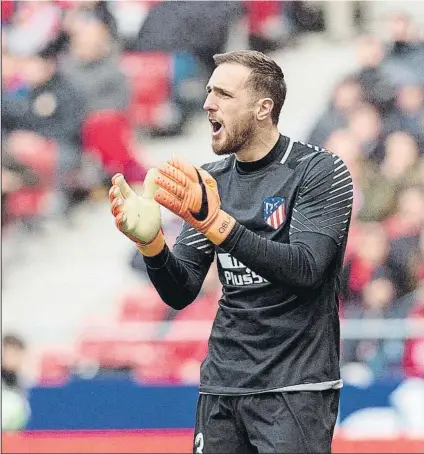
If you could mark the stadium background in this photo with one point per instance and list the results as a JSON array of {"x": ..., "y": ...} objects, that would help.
[{"x": 91, "y": 88}]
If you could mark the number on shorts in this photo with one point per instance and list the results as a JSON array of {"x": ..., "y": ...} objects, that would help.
[{"x": 198, "y": 441}]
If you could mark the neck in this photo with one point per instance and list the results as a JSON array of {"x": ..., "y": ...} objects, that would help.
[{"x": 260, "y": 146}]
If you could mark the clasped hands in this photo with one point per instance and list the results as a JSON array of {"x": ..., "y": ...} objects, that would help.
[{"x": 189, "y": 192}]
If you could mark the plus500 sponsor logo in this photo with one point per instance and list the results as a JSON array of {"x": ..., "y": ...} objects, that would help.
[{"x": 235, "y": 273}]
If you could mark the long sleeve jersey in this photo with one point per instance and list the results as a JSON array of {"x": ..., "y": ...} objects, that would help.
[{"x": 277, "y": 323}]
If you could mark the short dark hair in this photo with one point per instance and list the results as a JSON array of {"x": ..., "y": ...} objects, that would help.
[
  {"x": 11, "y": 340},
  {"x": 267, "y": 78}
]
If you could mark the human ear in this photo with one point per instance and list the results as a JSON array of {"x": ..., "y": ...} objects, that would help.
[{"x": 264, "y": 108}]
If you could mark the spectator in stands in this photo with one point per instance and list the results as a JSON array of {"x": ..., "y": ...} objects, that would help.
[
  {"x": 368, "y": 259},
  {"x": 409, "y": 217},
  {"x": 380, "y": 185},
  {"x": 98, "y": 9},
  {"x": 86, "y": 10},
  {"x": 413, "y": 360},
  {"x": 129, "y": 17},
  {"x": 410, "y": 266},
  {"x": 32, "y": 27},
  {"x": 13, "y": 82},
  {"x": 77, "y": 13},
  {"x": 345, "y": 145},
  {"x": 409, "y": 112},
  {"x": 366, "y": 124},
  {"x": 406, "y": 229},
  {"x": 15, "y": 408},
  {"x": 400, "y": 161},
  {"x": 374, "y": 193},
  {"x": 54, "y": 110},
  {"x": 405, "y": 54},
  {"x": 348, "y": 95},
  {"x": 382, "y": 145},
  {"x": 13, "y": 357},
  {"x": 14, "y": 175},
  {"x": 199, "y": 28},
  {"x": 381, "y": 356},
  {"x": 93, "y": 67},
  {"x": 375, "y": 82}
]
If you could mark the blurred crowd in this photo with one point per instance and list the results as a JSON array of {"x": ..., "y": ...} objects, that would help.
[
  {"x": 80, "y": 78},
  {"x": 375, "y": 122},
  {"x": 83, "y": 80},
  {"x": 60, "y": 72}
]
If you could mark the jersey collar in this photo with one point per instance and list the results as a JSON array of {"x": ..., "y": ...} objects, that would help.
[{"x": 244, "y": 167}]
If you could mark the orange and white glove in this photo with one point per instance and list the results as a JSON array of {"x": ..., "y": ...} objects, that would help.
[
  {"x": 192, "y": 194},
  {"x": 138, "y": 217}
]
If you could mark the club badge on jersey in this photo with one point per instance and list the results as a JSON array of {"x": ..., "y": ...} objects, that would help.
[{"x": 275, "y": 211}]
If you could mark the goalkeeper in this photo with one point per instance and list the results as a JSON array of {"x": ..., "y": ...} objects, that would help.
[{"x": 276, "y": 213}]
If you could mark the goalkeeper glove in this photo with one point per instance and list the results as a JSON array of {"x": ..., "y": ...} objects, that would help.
[
  {"x": 192, "y": 194},
  {"x": 138, "y": 217}
]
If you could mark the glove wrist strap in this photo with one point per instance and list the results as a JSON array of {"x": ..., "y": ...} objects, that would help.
[
  {"x": 220, "y": 228},
  {"x": 154, "y": 247}
]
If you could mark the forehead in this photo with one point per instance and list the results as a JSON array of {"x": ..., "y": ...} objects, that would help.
[{"x": 230, "y": 76}]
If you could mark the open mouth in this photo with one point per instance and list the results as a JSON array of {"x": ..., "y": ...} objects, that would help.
[{"x": 216, "y": 127}]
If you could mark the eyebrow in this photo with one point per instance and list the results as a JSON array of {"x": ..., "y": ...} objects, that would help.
[{"x": 218, "y": 90}]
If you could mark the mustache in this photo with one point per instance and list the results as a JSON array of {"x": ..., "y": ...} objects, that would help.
[{"x": 214, "y": 119}]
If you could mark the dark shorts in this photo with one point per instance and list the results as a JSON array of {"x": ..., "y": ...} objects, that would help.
[{"x": 291, "y": 422}]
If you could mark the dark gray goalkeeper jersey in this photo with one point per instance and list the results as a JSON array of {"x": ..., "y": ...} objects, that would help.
[{"x": 277, "y": 322}]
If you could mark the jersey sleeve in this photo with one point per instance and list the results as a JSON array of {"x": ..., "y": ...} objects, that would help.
[
  {"x": 178, "y": 275},
  {"x": 324, "y": 201},
  {"x": 191, "y": 238}
]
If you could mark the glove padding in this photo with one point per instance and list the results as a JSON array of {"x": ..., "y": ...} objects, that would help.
[
  {"x": 138, "y": 217},
  {"x": 192, "y": 194}
]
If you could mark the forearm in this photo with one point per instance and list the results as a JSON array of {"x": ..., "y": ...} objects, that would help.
[
  {"x": 301, "y": 263},
  {"x": 177, "y": 280}
]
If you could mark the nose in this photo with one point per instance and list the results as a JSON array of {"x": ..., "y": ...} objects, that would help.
[{"x": 210, "y": 104}]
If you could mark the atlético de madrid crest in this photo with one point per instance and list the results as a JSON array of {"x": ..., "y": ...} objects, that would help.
[{"x": 275, "y": 211}]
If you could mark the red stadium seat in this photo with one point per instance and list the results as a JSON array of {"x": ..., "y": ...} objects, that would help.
[
  {"x": 150, "y": 76},
  {"x": 133, "y": 346},
  {"x": 110, "y": 345},
  {"x": 38, "y": 154},
  {"x": 155, "y": 363},
  {"x": 54, "y": 368},
  {"x": 106, "y": 353},
  {"x": 397, "y": 226},
  {"x": 8, "y": 9},
  {"x": 189, "y": 329},
  {"x": 204, "y": 308},
  {"x": 195, "y": 321},
  {"x": 186, "y": 350},
  {"x": 108, "y": 135},
  {"x": 26, "y": 203},
  {"x": 142, "y": 304},
  {"x": 189, "y": 357},
  {"x": 164, "y": 362},
  {"x": 259, "y": 12}
]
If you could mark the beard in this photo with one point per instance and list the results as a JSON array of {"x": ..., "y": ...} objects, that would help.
[{"x": 237, "y": 137}]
